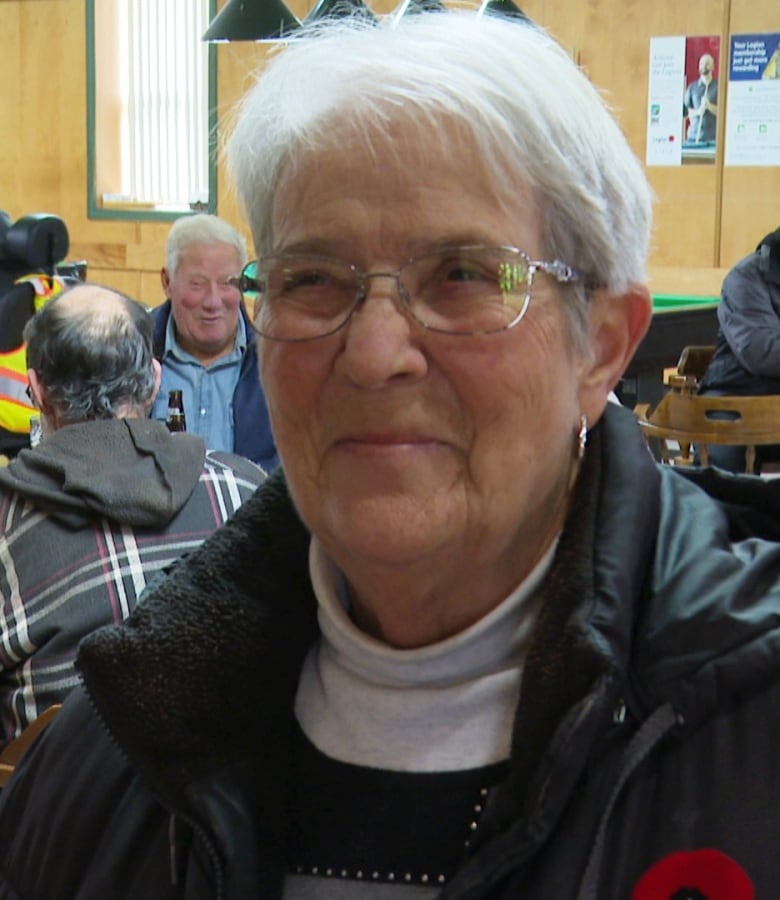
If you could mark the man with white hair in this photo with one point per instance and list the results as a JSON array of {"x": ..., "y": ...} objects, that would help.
[{"x": 204, "y": 343}]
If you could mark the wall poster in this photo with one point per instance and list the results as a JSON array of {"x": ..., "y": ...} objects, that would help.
[
  {"x": 753, "y": 115},
  {"x": 664, "y": 99},
  {"x": 682, "y": 100},
  {"x": 700, "y": 98}
]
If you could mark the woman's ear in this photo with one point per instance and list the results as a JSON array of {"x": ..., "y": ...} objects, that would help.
[{"x": 617, "y": 325}]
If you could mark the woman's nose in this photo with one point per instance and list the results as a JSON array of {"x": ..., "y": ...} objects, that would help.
[{"x": 382, "y": 340}]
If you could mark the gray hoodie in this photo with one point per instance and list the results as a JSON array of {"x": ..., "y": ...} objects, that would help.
[{"x": 130, "y": 470}]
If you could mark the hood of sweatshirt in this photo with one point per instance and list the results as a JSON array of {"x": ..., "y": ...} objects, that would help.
[{"x": 133, "y": 471}]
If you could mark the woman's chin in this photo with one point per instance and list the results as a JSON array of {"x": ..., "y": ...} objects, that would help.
[{"x": 387, "y": 527}]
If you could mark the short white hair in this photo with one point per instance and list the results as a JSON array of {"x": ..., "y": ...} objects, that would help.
[
  {"x": 531, "y": 112},
  {"x": 201, "y": 228}
]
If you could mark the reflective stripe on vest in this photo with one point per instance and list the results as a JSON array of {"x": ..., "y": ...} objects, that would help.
[{"x": 15, "y": 409}]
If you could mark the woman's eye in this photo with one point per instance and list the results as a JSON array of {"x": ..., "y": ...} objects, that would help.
[
  {"x": 465, "y": 273},
  {"x": 293, "y": 280}
]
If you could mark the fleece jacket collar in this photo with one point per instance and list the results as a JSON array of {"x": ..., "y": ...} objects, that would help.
[{"x": 221, "y": 641}]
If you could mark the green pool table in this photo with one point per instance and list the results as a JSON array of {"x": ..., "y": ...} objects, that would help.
[{"x": 678, "y": 320}]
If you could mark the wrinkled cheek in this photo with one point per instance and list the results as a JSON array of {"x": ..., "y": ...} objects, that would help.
[
  {"x": 269, "y": 379},
  {"x": 289, "y": 391}
]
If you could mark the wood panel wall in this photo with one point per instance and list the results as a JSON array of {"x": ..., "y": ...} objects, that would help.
[{"x": 707, "y": 217}]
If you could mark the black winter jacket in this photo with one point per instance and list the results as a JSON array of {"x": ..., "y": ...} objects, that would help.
[{"x": 647, "y": 722}]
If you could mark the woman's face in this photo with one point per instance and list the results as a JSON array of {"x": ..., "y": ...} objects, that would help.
[{"x": 420, "y": 458}]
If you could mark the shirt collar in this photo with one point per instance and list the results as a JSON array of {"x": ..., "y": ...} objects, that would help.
[{"x": 173, "y": 348}]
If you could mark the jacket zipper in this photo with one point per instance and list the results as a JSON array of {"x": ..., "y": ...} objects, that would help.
[
  {"x": 178, "y": 851},
  {"x": 176, "y": 860},
  {"x": 649, "y": 734}
]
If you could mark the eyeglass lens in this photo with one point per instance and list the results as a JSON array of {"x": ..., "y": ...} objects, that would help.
[{"x": 463, "y": 290}]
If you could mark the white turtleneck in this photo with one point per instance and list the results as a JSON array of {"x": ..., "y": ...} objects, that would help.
[{"x": 443, "y": 707}]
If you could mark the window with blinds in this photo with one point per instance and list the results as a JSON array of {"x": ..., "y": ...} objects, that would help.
[{"x": 151, "y": 87}]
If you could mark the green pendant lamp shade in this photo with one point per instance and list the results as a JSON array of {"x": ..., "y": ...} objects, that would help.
[
  {"x": 252, "y": 20},
  {"x": 271, "y": 20},
  {"x": 502, "y": 8},
  {"x": 410, "y": 7},
  {"x": 336, "y": 9}
]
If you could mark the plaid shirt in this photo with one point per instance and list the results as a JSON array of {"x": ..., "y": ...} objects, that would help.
[{"x": 58, "y": 584}]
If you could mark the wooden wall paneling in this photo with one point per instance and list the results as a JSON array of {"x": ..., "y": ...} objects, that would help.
[
  {"x": 42, "y": 108},
  {"x": 687, "y": 281},
  {"x": 611, "y": 41},
  {"x": 10, "y": 109},
  {"x": 751, "y": 209},
  {"x": 100, "y": 256},
  {"x": 149, "y": 290},
  {"x": 127, "y": 281},
  {"x": 237, "y": 67},
  {"x": 147, "y": 254},
  {"x": 43, "y": 153},
  {"x": 698, "y": 233},
  {"x": 108, "y": 100},
  {"x": 687, "y": 200}
]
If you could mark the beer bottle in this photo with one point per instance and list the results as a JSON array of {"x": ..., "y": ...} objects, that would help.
[{"x": 175, "y": 419}]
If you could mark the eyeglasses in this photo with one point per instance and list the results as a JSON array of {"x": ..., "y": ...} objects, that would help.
[{"x": 472, "y": 290}]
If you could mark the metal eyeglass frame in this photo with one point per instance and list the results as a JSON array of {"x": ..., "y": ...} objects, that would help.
[{"x": 560, "y": 271}]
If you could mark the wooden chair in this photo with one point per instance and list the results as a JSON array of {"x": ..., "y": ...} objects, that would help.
[
  {"x": 683, "y": 420},
  {"x": 13, "y": 752},
  {"x": 691, "y": 367}
]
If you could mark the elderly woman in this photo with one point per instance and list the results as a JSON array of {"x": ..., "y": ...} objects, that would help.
[{"x": 471, "y": 642}]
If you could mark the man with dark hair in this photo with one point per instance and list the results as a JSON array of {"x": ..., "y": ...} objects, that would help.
[{"x": 103, "y": 503}]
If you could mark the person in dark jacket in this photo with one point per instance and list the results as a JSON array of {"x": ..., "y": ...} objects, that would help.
[
  {"x": 205, "y": 343},
  {"x": 107, "y": 499},
  {"x": 469, "y": 641},
  {"x": 747, "y": 347}
]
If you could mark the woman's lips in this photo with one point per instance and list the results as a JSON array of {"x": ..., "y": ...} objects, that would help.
[{"x": 388, "y": 442}]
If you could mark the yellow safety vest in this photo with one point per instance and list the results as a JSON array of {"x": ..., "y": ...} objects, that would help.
[{"x": 15, "y": 408}]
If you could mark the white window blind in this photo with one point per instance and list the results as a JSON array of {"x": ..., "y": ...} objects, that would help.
[{"x": 164, "y": 90}]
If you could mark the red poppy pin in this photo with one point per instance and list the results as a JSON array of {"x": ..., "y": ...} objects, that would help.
[{"x": 695, "y": 875}]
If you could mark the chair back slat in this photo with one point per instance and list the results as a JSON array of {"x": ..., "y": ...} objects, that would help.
[
  {"x": 694, "y": 420},
  {"x": 694, "y": 360}
]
